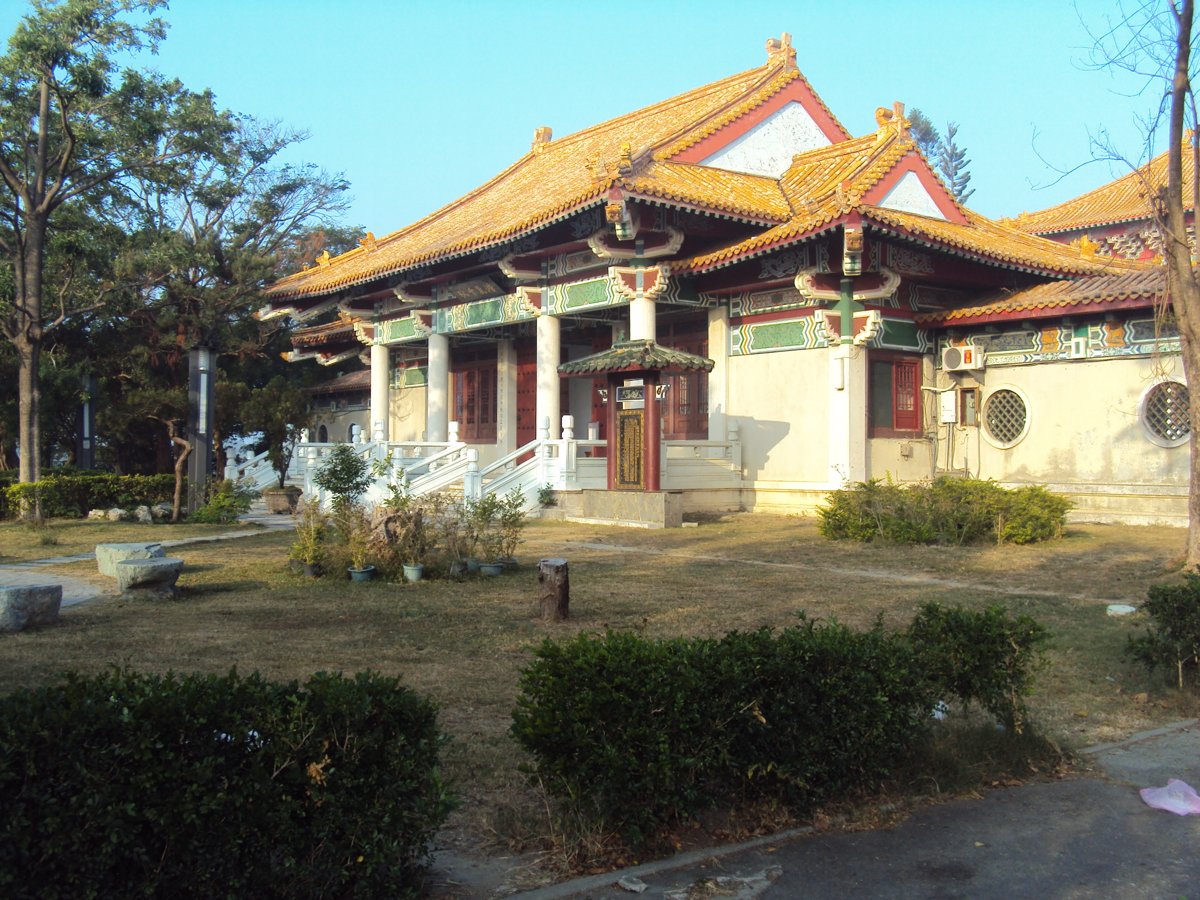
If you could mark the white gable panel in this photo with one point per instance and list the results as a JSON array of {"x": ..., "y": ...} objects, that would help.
[
  {"x": 768, "y": 147},
  {"x": 909, "y": 195}
]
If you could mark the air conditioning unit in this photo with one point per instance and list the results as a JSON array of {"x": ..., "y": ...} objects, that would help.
[{"x": 962, "y": 359}]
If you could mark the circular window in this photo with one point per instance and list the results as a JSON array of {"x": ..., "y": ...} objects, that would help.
[
  {"x": 1166, "y": 413},
  {"x": 1005, "y": 417}
]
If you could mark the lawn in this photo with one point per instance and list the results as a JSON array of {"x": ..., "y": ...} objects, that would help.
[{"x": 464, "y": 643}]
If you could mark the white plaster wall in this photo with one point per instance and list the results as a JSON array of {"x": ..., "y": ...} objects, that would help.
[
  {"x": 779, "y": 402},
  {"x": 886, "y": 459},
  {"x": 1084, "y": 425}
]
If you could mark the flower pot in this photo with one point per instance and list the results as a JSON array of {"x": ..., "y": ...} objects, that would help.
[
  {"x": 509, "y": 562},
  {"x": 282, "y": 501},
  {"x": 413, "y": 573},
  {"x": 472, "y": 566},
  {"x": 491, "y": 569},
  {"x": 312, "y": 570},
  {"x": 458, "y": 569},
  {"x": 364, "y": 574}
]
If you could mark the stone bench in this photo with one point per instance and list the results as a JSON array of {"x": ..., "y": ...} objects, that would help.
[
  {"x": 29, "y": 606},
  {"x": 157, "y": 573},
  {"x": 108, "y": 555}
]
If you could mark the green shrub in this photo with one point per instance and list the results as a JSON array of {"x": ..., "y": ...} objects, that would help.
[
  {"x": 945, "y": 511},
  {"x": 986, "y": 657},
  {"x": 626, "y": 725},
  {"x": 72, "y": 496},
  {"x": 1173, "y": 638},
  {"x": 1032, "y": 514},
  {"x": 226, "y": 501},
  {"x": 822, "y": 711},
  {"x": 197, "y": 786},
  {"x": 345, "y": 474},
  {"x": 639, "y": 732}
]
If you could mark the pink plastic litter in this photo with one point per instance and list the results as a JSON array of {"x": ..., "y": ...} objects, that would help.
[{"x": 1178, "y": 797}]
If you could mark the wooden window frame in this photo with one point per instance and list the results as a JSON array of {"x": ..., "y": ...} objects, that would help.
[{"x": 907, "y": 410}]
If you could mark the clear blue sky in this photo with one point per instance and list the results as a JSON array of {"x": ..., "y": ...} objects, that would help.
[{"x": 417, "y": 102}]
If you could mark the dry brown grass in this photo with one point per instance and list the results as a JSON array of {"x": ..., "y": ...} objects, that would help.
[{"x": 464, "y": 644}]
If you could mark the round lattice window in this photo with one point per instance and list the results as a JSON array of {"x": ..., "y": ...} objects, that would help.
[
  {"x": 1166, "y": 413},
  {"x": 1005, "y": 417}
]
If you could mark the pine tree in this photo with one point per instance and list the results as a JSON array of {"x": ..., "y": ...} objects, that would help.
[
  {"x": 925, "y": 133},
  {"x": 952, "y": 162}
]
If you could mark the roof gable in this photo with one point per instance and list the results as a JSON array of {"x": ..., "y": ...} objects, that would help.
[
  {"x": 763, "y": 140},
  {"x": 911, "y": 186}
]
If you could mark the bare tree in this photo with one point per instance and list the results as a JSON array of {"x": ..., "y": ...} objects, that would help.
[{"x": 1152, "y": 41}]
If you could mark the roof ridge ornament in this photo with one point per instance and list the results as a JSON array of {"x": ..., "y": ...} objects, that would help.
[
  {"x": 541, "y": 137},
  {"x": 892, "y": 119},
  {"x": 780, "y": 51}
]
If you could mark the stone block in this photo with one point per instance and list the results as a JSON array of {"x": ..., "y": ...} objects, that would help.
[
  {"x": 159, "y": 573},
  {"x": 108, "y": 555},
  {"x": 29, "y": 606}
]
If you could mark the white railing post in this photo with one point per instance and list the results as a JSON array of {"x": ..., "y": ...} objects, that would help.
[
  {"x": 568, "y": 428},
  {"x": 452, "y": 432},
  {"x": 473, "y": 480},
  {"x": 593, "y": 431},
  {"x": 735, "y": 447},
  {"x": 545, "y": 454}
]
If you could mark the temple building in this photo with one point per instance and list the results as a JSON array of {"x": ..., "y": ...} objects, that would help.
[{"x": 729, "y": 299}]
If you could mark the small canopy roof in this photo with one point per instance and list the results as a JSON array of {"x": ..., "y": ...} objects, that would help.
[{"x": 636, "y": 356}]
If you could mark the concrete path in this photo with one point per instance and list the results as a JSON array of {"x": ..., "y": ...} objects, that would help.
[
  {"x": 1082, "y": 837},
  {"x": 78, "y": 589}
]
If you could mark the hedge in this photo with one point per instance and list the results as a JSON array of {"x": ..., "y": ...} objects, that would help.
[
  {"x": 638, "y": 733},
  {"x": 72, "y": 496},
  {"x": 200, "y": 786},
  {"x": 944, "y": 511}
]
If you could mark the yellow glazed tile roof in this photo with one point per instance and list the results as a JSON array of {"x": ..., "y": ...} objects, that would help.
[
  {"x": 1124, "y": 200},
  {"x": 1083, "y": 295},
  {"x": 824, "y": 186},
  {"x": 750, "y": 196},
  {"x": 558, "y": 177}
]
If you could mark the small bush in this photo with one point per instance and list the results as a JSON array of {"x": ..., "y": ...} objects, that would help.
[
  {"x": 945, "y": 511},
  {"x": 71, "y": 496},
  {"x": 1173, "y": 638},
  {"x": 199, "y": 786},
  {"x": 986, "y": 657},
  {"x": 227, "y": 500},
  {"x": 345, "y": 474}
]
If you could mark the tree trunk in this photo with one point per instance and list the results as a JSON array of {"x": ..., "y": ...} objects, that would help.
[
  {"x": 555, "y": 588},
  {"x": 1182, "y": 287},
  {"x": 27, "y": 341}
]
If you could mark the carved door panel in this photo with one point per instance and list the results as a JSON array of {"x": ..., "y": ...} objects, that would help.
[{"x": 631, "y": 475}]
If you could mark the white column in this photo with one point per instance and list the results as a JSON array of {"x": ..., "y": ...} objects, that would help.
[
  {"x": 549, "y": 355},
  {"x": 847, "y": 414},
  {"x": 381, "y": 376},
  {"x": 437, "y": 395},
  {"x": 506, "y": 397},
  {"x": 718, "y": 378},
  {"x": 642, "y": 320}
]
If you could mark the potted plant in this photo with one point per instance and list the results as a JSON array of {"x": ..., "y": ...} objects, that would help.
[
  {"x": 355, "y": 526},
  {"x": 280, "y": 411},
  {"x": 455, "y": 536},
  {"x": 511, "y": 522},
  {"x": 309, "y": 546},
  {"x": 485, "y": 527},
  {"x": 414, "y": 539}
]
